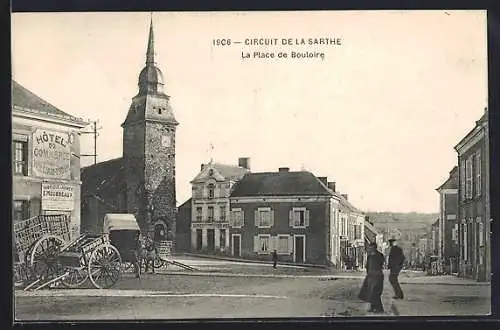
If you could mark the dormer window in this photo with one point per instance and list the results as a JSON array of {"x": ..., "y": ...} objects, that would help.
[{"x": 159, "y": 111}]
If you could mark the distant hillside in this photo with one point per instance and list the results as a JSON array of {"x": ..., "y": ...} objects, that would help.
[
  {"x": 402, "y": 221},
  {"x": 407, "y": 227}
]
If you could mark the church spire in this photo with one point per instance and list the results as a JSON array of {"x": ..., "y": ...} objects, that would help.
[{"x": 150, "y": 53}]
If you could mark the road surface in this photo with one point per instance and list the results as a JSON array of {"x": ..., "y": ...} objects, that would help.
[{"x": 161, "y": 296}]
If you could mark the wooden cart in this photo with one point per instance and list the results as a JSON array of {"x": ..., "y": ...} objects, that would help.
[{"x": 90, "y": 256}]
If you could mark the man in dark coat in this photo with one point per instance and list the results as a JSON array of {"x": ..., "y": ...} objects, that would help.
[
  {"x": 395, "y": 264},
  {"x": 275, "y": 258},
  {"x": 373, "y": 284}
]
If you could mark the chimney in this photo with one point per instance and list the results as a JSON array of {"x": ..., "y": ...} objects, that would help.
[
  {"x": 323, "y": 179},
  {"x": 345, "y": 196},
  {"x": 331, "y": 186},
  {"x": 284, "y": 169},
  {"x": 244, "y": 162}
]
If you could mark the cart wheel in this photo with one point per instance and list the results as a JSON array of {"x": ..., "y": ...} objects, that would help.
[
  {"x": 104, "y": 266},
  {"x": 158, "y": 263},
  {"x": 44, "y": 256},
  {"x": 76, "y": 277}
]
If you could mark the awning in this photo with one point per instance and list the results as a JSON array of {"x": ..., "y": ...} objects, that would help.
[{"x": 120, "y": 221}]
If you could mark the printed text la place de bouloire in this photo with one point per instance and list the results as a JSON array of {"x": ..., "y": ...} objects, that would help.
[{"x": 260, "y": 53}]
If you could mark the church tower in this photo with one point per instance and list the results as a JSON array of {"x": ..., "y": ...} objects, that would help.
[{"x": 149, "y": 153}]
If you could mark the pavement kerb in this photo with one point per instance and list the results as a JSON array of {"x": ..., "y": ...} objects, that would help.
[
  {"x": 325, "y": 277},
  {"x": 249, "y": 261}
]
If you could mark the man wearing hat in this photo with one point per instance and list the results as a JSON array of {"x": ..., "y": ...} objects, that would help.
[{"x": 395, "y": 264}]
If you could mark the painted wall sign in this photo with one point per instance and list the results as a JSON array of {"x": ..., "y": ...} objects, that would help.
[
  {"x": 57, "y": 196},
  {"x": 51, "y": 154}
]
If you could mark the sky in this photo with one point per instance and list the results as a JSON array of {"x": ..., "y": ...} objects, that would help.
[{"x": 379, "y": 114}]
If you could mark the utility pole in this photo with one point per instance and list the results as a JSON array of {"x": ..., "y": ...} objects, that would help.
[{"x": 95, "y": 134}]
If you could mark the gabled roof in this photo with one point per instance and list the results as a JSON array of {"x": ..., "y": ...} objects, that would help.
[
  {"x": 26, "y": 100},
  {"x": 223, "y": 172},
  {"x": 279, "y": 184},
  {"x": 452, "y": 181},
  {"x": 478, "y": 126},
  {"x": 101, "y": 176}
]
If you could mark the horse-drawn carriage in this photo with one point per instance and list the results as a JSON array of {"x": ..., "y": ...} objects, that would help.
[{"x": 50, "y": 257}]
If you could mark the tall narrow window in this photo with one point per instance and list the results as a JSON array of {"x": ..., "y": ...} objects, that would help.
[
  {"x": 210, "y": 214},
  {"x": 199, "y": 212},
  {"x": 223, "y": 213},
  {"x": 299, "y": 218},
  {"x": 211, "y": 191},
  {"x": 462, "y": 179},
  {"x": 478, "y": 173},
  {"x": 468, "y": 178},
  {"x": 237, "y": 218},
  {"x": 20, "y": 158},
  {"x": 264, "y": 218}
]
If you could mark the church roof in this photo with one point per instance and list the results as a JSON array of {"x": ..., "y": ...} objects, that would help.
[
  {"x": 279, "y": 184},
  {"x": 28, "y": 101},
  {"x": 102, "y": 176}
]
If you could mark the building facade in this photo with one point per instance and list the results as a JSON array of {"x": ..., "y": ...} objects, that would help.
[
  {"x": 448, "y": 225},
  {"x": 293, "y": 213},
  {"x": 183, "y": 227},
  {"x": 211, "y": 188},
  {"x": 142, "y": 182},
  {"x": 351, "y": 230},
  {"x": 474, "y": 204},
  {"x": 45, "y": 159}
]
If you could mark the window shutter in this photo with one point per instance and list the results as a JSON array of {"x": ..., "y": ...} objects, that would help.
[
  {"x": 242, "y": 219},
  {"x": 272, "y": 243},
  {"x": 231, "y": 218},
  {"x": 290, "y": 217},
  {"x": 256, "y": 246},
  {"x": 290, "y": 244},
  {"x": 256, "y": 217},
  {"x": 271, "y": 215},
  {"x": 306, "y": 218}
]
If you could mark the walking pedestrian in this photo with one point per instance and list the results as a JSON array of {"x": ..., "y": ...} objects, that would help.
[
  {"x": 374, "y": 279},
  {"x": 275, "y": 259},
  {"x": 395, "y": 264}
]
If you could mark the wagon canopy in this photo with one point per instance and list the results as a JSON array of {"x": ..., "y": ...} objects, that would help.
[{"x": 120, "y": 221}]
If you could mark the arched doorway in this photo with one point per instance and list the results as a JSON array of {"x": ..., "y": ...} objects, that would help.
[{"x": 160, "y": 232}]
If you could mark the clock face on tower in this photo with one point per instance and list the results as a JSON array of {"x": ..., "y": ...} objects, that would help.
[{"x": 166, "y": 140}]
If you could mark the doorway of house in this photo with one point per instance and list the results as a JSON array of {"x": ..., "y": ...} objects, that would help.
[
  {"x": 299, "y": 249},
  {"x": 236, "y": 245},
  {"x": 210, "y": 239},
  {"x": 199, "y": 239}
]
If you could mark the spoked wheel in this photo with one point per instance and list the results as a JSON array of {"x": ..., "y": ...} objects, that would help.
[
  {"x": 76, "y": 277},
  {"x": 43, "y": 259},
  {"x": 158, "y": 263},
  {"x": 104, "y": 266}
]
